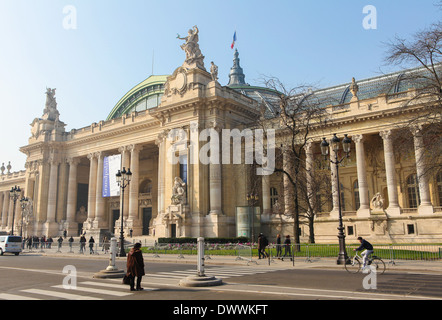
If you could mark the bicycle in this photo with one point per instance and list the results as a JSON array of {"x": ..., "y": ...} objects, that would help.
[{"x": 353, "y": 265}]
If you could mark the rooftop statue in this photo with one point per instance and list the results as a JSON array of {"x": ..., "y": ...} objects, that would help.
[
  {"x": 194, "y": 57},
  {"x": 50, "y": 112},
  {"x": 214, "y": 71}
]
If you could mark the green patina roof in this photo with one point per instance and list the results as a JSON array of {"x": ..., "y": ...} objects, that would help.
[{"x": 137, "y": 93}]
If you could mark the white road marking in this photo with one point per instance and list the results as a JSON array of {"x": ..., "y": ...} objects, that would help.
[
  {"x": 60, "y": 295},
  {"x": 98, "y": 291}
]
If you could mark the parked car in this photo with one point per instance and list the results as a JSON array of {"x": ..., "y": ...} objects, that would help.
[{"x": 10, "y": 244}]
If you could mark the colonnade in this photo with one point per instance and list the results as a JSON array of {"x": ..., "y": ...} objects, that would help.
[
  {"x": 364, "y": 210},
  {"x": 130, "y": 154}
]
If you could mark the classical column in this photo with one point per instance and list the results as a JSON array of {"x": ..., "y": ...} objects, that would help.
[
  {"x": 425, "y": 206},
  {"x": 100, "y": 203},
  {"x": 134, "y": 189},
  {"x": 160, "y": 142},
  {"x": 10, "y": 212},
  {"x": 52, "y": 192},
  {"x": 215, "y": 179},
  {"x": 1, "y": 209},
  {"x": 266, "y": 209},
  {"x": 5, "y": 211},
  {"x": 364, "y": 208},
  {"x": 393, "y": 207},
  {"x": 62, "y": 191},
  {"x": 92, "y": 189},
  {"x": 71, "y": 209}
]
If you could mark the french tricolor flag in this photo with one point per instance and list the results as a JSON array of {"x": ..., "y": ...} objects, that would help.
[{"x": 234, "y": 40}]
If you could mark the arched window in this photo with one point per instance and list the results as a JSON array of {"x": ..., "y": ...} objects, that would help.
[
  {"x": 356, "y": 195},
  {"x": 273, "y": 197},
  {"x": 413, "y": 191},
  {"x": 439, "y": 187},
  {"x": 146, "y": 186}
]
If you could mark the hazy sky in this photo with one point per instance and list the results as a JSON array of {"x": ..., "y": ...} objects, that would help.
[{"x": 116, "y": 43}]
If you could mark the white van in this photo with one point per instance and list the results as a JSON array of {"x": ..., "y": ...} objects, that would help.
[{"x": 10, "y": 244}]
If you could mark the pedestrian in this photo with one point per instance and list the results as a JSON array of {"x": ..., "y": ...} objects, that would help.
[
  {"x": 262, "y": 244},
  {"x": 36, "y": 241},
  {"x": 71, "y": 241},
  {"x": 287, "y": 248},
  {"x": 91, "y": 245},
  {"x": 82, "y": 243},
  {"x": 278, "y": 246},
  {"x": 49, "y": 243},
  {"x": 135, "y": 267},
  {"x": 60, "y": 241},
  {"x": 65, "y": 233}
]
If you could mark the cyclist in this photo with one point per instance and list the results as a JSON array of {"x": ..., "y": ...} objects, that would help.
[{"x": 367, "y": 252}]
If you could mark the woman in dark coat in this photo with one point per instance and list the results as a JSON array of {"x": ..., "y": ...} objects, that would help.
[{"x": 135, "y": 267}]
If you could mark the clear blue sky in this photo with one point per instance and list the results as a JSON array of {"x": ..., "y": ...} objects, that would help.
[{"x": 319, "y": 42}]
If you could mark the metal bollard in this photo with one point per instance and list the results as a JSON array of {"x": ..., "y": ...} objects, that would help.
[
  {"x": 113, "y": 254},
  {"x": 200, "y": 266}
]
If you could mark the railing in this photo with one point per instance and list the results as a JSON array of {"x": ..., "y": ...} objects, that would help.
[
  {"x": 388, "y": 252},
  {"x": 67, "y": 247},
  {"x": 309, "y": 252}
]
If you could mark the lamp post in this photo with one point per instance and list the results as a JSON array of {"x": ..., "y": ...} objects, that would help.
[
  {"x": 123, "y": 179},
  {"x": 23, "y": 203},
  {"x": 342, "y": 257},
  {"x": 251, "y": 198},
  {"x": 14, "y": 194}
]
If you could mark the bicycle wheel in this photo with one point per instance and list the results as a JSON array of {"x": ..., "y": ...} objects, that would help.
[
  {"x": 379, "y": 264},
  {"x": 353, "y": 265}
]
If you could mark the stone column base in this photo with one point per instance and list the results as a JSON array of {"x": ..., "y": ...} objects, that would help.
[
  {"x": 425, "y": 209},
  {"x": 71, "y": 229},
  {"x": 50, "y": 229},
  {"x": 393, "y": 212}
]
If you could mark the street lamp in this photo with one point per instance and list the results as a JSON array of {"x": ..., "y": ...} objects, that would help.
[
  {"x": 23, "y": 202},
  {"x": 14, "y": 194},
  {"x": 251, "y": 198},
  {"x": 335, "y": 141},
  {"x": 123, "y": 179}
]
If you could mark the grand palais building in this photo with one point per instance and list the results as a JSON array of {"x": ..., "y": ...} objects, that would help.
[{"x": 384, "y": 192}]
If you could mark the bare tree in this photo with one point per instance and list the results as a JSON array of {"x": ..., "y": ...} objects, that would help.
[
  {"x": 423, "y": 52},
  {"x": 298, "y": 114}
]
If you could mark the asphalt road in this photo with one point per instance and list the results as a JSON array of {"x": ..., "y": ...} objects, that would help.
[{"x": 53, "y": 278}]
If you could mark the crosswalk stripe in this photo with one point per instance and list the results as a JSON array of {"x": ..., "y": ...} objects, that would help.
[
  {"x": 221, "y": 272},
  {"x": 218, "y": 271},
  {"x": 116, "y": 286},
  {"x": 60, "y": 295},
  {"x": 94, "y": 290},
  {"x": 167, "y": 274},
  {"x": 7, "y": 296},
  {"x": 105, "y": 284}
]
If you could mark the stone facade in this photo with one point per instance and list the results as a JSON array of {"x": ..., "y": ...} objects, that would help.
[{"x": 64, "y": 170}]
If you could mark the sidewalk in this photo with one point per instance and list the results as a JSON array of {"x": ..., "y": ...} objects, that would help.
[{"x": 299, "y": 263}]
